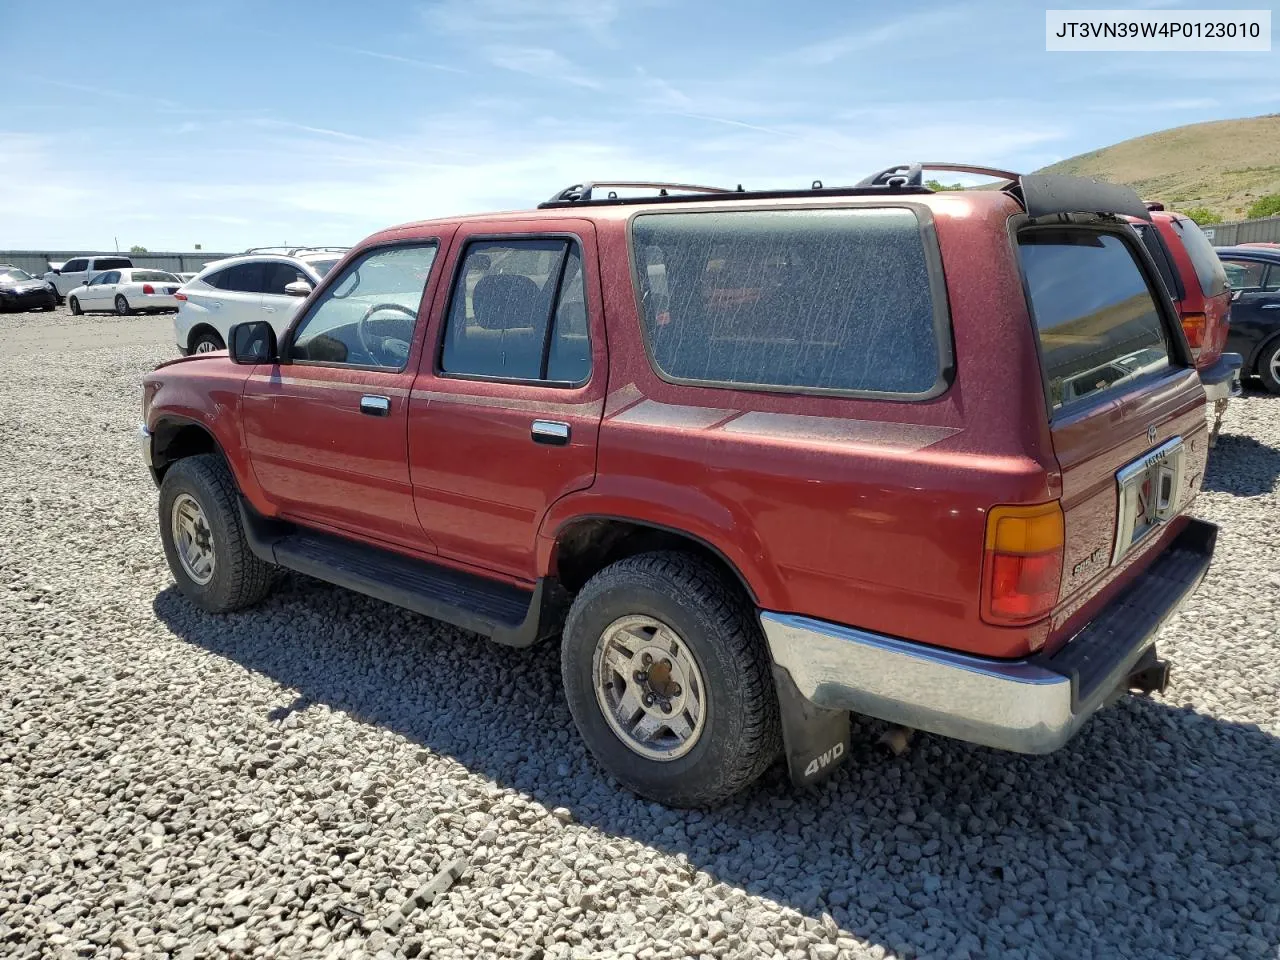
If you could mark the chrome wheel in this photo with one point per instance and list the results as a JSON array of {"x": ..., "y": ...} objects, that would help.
[
  {"x": 192, "y": 538},
  {"x": 649, "y": 687},
  {"x": 1275, "y": 365}
]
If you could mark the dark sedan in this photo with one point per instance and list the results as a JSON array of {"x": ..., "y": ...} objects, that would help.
[
  {"x": 1254, "y": 275},
  {"x": 21, "y": 291}
]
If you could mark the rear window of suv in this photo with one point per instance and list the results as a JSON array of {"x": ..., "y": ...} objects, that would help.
[
  {"x": 1098, "y": 323},
  {"x": 798, "y": 300},
  {"x": 112, "y": 263}
]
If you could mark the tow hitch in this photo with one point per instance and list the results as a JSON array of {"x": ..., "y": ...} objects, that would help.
[{"x": 1150, "y": 674}]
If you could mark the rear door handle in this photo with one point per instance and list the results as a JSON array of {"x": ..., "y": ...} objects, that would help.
[
  {"x": 375, "y": 406},
  {"x": 553, "y": 432}
]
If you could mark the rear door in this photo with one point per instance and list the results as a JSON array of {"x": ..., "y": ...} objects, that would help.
[
  {"x": 505, "y": 414},
  {"x": 1125, "y": 404}
]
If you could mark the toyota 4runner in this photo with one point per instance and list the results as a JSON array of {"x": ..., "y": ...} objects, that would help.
[{"x": 758, "y": 459}]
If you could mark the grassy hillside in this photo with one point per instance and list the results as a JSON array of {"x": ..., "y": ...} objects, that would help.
[{"x": 1225, "y": 165}]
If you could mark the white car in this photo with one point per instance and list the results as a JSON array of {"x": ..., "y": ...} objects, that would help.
[
  {"x": 252, "y": 286},
  {"x": 133, "y": 290},
  {"x": 67, "y": 276}
]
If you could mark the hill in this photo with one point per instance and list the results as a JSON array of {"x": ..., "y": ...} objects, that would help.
[{"x": 1224, "y": 165}]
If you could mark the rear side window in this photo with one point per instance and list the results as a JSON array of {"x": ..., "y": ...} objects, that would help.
[
  {"x": 112, "y": 263},
  {"x": 822, "y": 300},
  {"x": 1098, "y": 323},
  {"x": 1213, "y": 279},
  {"x": 517, "y": 312}
]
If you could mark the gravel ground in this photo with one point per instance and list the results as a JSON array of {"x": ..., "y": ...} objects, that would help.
[{"x": 331, "y": 776}]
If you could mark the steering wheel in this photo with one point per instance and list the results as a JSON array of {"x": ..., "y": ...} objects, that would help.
[{"x": 376, "y": 346}]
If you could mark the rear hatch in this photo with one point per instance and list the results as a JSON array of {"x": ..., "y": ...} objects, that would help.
[{"x": 1126, "y": 408}]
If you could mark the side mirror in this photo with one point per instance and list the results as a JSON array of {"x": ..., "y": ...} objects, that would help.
[
  {"x": 298, "y": 288},
  {"x": 1235, "y": 295},
  {"x": 253, "y": 342}
]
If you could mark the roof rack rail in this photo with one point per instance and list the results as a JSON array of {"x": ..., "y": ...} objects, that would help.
[
  {"x": 913, "y": 174},
  {"x": 581, "y": 194},
  {"x": 294, "y": 251},
  {"x": 585, "y": 192}
]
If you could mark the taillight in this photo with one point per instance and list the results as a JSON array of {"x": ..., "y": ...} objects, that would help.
[
  {"x": 1023, "y": 563},
  {"x": 1193, "y": 325},
  {"x": 179, "y": 296},
  {"x": 148, "y": 288}
]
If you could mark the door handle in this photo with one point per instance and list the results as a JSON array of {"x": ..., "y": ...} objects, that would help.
[
  {"x": 1271, "y": 306},
  {"x": 553, "y": 432},
  {"x": 268, "y": 309},
  {"x": 375, "y": 406}
]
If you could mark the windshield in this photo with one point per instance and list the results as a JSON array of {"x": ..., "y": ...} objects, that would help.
[
  {"x": 14, "y": 275},
  {"x": 321, "y": 267}
]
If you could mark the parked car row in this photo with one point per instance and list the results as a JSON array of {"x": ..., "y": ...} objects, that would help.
[{"x": 754, "y": 455}]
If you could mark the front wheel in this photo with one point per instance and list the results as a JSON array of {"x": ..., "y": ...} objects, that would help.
[
  {"x": 203, "y": 538},
  {"x": 75, "y": 307},
  {"x": 207, "y": 342},
  {"x": 667, "y": 676},
  {"x": 122, "y": 306},
  {"x": 1269, "y": 366}
]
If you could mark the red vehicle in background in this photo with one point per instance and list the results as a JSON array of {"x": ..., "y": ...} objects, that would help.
[{"x": 1198, "y": 285}]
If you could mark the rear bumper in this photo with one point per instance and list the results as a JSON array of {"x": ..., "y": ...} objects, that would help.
[
  {"x": 1222, "y": 379},
  {"x": 1033, "y": 705}
]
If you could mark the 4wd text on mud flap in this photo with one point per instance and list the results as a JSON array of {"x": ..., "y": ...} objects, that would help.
[{"x": 824, "y": 759}]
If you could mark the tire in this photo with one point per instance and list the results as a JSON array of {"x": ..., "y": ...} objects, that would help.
[
  {"x": 207, "y": 341},
  {"x": 122, "y": 306},
  {"x": 1269, "y": 365},
  {"x": 75, "y": 307},
  {"x": 739, "y": 735},
  {"x": 238, "y": 578}
]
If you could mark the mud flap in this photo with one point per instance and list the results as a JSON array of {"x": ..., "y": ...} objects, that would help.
[{"x": 816, "y": 740}]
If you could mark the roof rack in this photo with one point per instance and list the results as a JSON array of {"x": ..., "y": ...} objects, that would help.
[
  {"x": 913, "y": 174},
  {"x": 580, "y": 194},
  {"x": 294, "y": 251}
]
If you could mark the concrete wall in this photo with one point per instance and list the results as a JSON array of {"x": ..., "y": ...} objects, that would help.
[
  {"x": 37, "y": 261},
  {"x": 1266, "y": 230}
]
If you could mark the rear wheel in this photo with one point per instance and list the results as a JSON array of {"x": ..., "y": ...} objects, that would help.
[
  {"x": 667, "y": 677},
  {"x": 75, "y": 307},
  {"x": 122, "y": 306},
  {"x": 204, "y": 540},
  {"x": 1269, "y": 365},
  {"x": 207, "y": 342}
]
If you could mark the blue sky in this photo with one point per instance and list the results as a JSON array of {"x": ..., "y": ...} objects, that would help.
[{"x": 232, "y": 123}]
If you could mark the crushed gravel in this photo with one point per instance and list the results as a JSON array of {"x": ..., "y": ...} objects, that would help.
[{"x": 329, "y": 776}]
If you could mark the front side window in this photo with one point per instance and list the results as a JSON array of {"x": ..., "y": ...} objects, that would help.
[
  {"x": 368, "y": 316},
  {"x": 802, "y": 300},
  {"x": 1099, "y": 326},
  {"x": 277, "y": 275},
  {"x": 74, "y": 266},
  {"x": 518, "y": 312},
  {"x": 1244, "y": 274}
]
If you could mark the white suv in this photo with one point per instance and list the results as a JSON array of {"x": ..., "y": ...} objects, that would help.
[
  {"x": 80, "y": 270},
  {"x": 265, "y": 283}
]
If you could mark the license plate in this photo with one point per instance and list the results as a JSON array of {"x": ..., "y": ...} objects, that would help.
[{"x": 1150, "y": 492}]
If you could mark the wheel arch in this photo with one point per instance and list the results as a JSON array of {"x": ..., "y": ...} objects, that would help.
[
  {"x": 586, "y": 544},
  {"x": 201, "y": 328}
]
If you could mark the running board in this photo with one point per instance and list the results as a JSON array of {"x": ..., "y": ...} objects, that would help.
[{"x": 507, "y": 614}]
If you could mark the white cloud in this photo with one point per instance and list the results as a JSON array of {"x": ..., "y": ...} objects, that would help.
[
  {"x": 835, "y": 48},
  {"x": 490, "y": 17},
  {"x": 540, "y": 62}
]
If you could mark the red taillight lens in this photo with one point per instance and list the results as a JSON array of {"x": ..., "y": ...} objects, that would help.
[
  {"x": 1023, "y": 563},
  {"x": 179, "y": 296},
  {"x": 148, "y": 288},
  {"x": 1193, "y": 325}
]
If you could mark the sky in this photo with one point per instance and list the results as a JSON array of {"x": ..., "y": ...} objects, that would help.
[{"x": 237, "y": 123}]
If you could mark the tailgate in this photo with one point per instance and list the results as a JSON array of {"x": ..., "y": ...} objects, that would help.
[{"x": 1127, "y": 410}]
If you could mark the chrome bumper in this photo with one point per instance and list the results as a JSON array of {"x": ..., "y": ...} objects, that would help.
[
  {"x": 1222, "y": 380},
  {"x": 144, "y": 444},
  {"x": 1033, "y": 705}
]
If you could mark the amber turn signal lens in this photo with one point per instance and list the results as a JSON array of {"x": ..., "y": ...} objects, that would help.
[{"x": 1023, "y": 563}]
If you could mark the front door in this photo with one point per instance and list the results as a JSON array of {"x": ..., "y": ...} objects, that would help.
[
  {"x": 504, "y": 416},
  {"x": 326, "y": 426}
]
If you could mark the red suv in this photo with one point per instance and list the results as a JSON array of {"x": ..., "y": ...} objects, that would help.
[
  {"x": 1191, "y": 270},
  {"x": 758, "y": 459}
]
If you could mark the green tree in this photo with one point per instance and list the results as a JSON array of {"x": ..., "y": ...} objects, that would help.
[
  {"x": 1203, "y": 215},
  {"x": 1268, "y": 206},
  {"x": 937, "y": 185},
  {"x": 137, "y": 249}
]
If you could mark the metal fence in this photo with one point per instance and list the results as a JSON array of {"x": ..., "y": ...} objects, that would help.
[
  {"x": 1266, "y": 230},
  {"x": 36, "y": 262}
]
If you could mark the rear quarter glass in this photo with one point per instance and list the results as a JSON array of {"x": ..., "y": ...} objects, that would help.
[
  {"x": 843, "y": 301},
  {"x": 1213, "y": 279},
  {"x": 1099, "y": 327}
]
